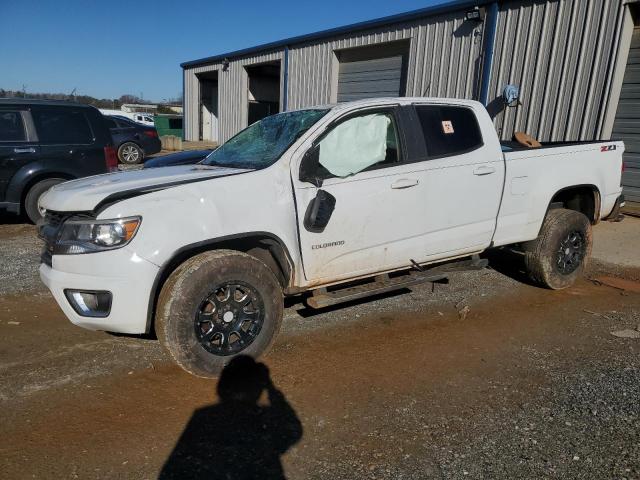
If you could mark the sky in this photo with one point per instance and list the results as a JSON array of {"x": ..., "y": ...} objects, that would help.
[{"x": 110, "y": 48}]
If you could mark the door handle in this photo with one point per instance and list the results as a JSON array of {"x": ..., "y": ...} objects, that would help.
[
  {"x": 404, "y": 183},
  {"x": 484, "y": 170},
  {"x": 24, "y": 150}
]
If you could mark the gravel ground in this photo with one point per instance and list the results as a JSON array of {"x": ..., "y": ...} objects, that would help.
[
  {"x": 486, "y": 377},
  {"x": 20, "y": 258}
]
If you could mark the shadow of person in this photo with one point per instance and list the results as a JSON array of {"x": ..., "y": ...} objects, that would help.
[{"x": 237, "y": 438}]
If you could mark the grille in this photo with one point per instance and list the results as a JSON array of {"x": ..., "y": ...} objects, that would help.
[{"x": 48, "y": 231}]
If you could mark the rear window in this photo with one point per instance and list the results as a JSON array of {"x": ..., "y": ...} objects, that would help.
[
  {"x": 11, "y": 127},
  {"x": 62, "y": 126},
  {"x": 111, "y": 123},
  {"x": 449, "y": 130}
]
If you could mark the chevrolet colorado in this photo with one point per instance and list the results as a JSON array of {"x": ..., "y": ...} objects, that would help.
[{"x": 339, "y": 201}]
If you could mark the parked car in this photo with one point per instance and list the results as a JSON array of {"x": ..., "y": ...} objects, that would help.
[
  {"x": 141, "y": 118},
  {"x": 363, "y": 197},
  {"x": 132, "y": 141},
  {"x": 187, "y": 157},
  {"x": 43, "y": 143}
]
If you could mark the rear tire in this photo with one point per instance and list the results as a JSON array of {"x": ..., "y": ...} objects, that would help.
[
  {"x": 560, "y": 253},
  {"x": 32, "y": 199},
  {"x": 204, "y": 321},
  {"x": 130, "y": 154}
]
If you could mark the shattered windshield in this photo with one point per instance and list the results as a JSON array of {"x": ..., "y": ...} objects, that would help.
[{"x": 262, "y": 143}]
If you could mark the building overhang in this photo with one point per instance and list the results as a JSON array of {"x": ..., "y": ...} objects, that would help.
[{"x": 449, "y": 7}]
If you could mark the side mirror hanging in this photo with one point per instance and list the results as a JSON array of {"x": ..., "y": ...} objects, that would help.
[
  {"x": 309, "y": 167},
  {"x": 319, "y": 211}
]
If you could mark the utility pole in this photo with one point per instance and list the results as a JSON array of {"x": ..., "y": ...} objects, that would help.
[{"x": 24, "y": 91}]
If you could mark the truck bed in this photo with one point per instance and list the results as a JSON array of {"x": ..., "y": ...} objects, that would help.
[
  {"x": 535, "y": 175},
  {"x": 513, "y": 146}
]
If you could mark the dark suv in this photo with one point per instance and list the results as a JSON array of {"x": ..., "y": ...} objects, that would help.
[{"x": 43, "y": 143}]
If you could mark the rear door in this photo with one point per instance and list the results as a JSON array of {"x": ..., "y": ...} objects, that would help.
[
  {"x": 461, "y": 179},
  {"x": 18, "y": 143},
  {"x": 118, "y": 131},
  {"x": 67, "y": 138}
]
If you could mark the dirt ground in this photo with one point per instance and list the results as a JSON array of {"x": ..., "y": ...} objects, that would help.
[{"x": 486, "y": 377}]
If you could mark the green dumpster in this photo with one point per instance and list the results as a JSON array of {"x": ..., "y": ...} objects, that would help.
[{"x": 168, "y": 125}]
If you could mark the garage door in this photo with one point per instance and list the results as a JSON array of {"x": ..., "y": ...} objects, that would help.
[
  {"x": 627, "y": 124},
  {"x": 379, "y": 77}
]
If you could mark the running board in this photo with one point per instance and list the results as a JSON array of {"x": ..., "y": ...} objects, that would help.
[
  {"x": 474, "y": 263},
  {"x": 383, "y": 283}
]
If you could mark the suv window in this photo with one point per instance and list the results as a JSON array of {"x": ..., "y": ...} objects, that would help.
[
  {"x": 11, "y": 127},
  {"x": 449, "y": 130},
  {"x": 358, "y": 143},
  {"x": 62, "y": 126}
]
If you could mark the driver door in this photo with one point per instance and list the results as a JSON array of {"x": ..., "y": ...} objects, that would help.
[{"x": 372, "y": 226}]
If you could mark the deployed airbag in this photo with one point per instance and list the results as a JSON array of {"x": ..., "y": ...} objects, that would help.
[{"x": 355, "y": 145}]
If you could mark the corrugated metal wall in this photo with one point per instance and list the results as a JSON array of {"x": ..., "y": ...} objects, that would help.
[
  {"x": 443, "y": 60},
  {"x": 232, "y": 97},
  {"x": 559, "y": 52}
]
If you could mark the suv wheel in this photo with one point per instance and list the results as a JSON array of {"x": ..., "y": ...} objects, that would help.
[
  {"x": 218, "y": 305},
  {"x": 130, "y": 154},
  {"x": 32, "y": 199},
  {"x": 560, "y": 253}
]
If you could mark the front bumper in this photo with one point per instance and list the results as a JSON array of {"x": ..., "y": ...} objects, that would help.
[{"x": 127, "y": 276}]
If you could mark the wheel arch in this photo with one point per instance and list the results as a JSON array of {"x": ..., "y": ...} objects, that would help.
[
  {"x": 267, "y": 247},
  {"x": 38, "y": 178},
  {"x": 32, "y": 173},
  {"x": 584, "y": 198}
]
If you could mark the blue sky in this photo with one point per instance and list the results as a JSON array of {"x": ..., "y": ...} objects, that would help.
[{"x": 112, "y": 47}]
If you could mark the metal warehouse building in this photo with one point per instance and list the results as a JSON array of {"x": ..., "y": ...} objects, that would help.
[{"x": 576, "y": 64}]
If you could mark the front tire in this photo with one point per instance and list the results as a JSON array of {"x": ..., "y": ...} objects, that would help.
[
  {"x": 218, "y": 305},
  {"x": 32, "y": 199},
  {"x": 130, "y": 154},
  {"x": 557, "y": 258}
]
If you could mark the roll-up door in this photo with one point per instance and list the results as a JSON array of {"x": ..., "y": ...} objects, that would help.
[
  {"x": 627, "y": 123},
  {"x": 379, "y": 77}
]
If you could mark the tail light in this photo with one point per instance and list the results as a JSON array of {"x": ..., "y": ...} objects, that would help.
[
  {"x": 110, "y": 158},
  {"x": 151, "y": 133}
]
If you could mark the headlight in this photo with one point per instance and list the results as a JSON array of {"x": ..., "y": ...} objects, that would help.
[{"x": 86, "y": 236}]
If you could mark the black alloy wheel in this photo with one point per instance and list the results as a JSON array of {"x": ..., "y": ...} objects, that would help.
[
  {"x": 230, "y": 318},
  {"x": 571, "y": 252}
]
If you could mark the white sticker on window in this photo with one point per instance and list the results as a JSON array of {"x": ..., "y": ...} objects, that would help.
[{"x": 447, "y": 127}]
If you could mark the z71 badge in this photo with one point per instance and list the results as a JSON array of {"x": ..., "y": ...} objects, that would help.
[{"x": 607, "y": 148}]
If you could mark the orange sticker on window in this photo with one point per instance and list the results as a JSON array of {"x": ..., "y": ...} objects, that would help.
[{"x": 447, "y": 127}]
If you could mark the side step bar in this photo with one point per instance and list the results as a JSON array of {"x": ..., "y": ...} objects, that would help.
[{"x": 383, "y": 283}]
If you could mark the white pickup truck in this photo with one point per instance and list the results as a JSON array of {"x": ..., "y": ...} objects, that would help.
[{"x": 337, "y": 201}]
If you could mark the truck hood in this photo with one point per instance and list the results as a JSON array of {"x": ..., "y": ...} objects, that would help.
[{"x": 85, "y": 194}]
